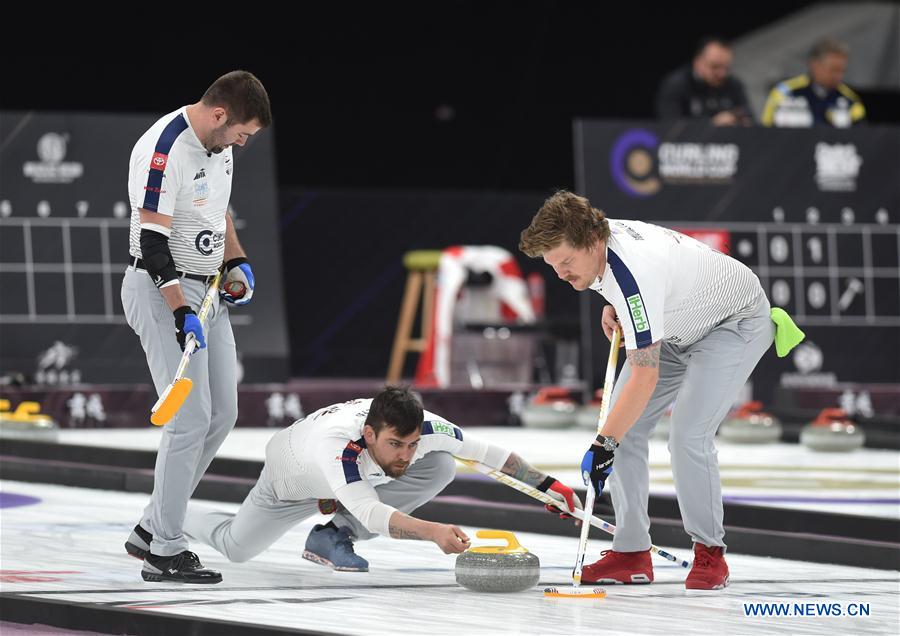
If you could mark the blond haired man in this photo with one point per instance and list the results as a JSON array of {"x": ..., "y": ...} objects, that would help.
[{"x": 695, "y": 323}]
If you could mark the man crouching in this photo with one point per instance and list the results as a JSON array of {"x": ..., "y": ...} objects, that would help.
[{"x": 371, "y": 462}]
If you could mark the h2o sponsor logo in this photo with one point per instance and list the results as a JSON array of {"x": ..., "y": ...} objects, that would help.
[
  {"x": 207, "y": 241},
  {"x": 638, "y": 315},
  {"x": 440, "y": 427}
]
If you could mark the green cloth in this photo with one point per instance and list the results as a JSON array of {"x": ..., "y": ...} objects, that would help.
[{"x": 787, "y": 334}]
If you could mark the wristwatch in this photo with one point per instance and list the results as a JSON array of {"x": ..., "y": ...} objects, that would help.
[{"x": 607, "y": 442}]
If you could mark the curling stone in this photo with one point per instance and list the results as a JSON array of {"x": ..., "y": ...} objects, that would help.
[
  {"x": 27, "y": 422},
  {"x": 507, "y": 568},
  {"x": 750, "y": 425},
  {"x": 663, "y": 426},
  {"x": 586, "y": 417},
  {"x": 552, "y": 407},
  {"x": 832, "y": 431}
]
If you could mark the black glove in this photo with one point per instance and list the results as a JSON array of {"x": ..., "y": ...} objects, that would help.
[
  {"x": 186, "y": 321},
  {"x": 596, "y": 465}
]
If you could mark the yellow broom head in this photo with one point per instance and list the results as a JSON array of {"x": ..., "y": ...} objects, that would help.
[{"x": 171, "y": 401}]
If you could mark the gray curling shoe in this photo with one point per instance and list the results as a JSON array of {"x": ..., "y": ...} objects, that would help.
[{"x": 334, "y": 549}]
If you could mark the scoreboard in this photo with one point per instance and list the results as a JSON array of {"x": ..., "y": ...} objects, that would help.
[
  {"x": 64, "y": 220},
  {"x": 831, "y": 274},
  {"x": 814, "y": 213}
]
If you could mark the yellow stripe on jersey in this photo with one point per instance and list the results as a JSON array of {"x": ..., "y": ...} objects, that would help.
[
  {"x": 775, "y": 98},
  {"x": 857, "y": 111},
  {"x": 848, "y": 92},
  {"x": 777, "y": 95},
  {"x": 800, "y": 81}
]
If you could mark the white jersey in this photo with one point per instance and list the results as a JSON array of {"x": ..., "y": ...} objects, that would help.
[
  {"x": 173, "y": 174},
  {"x": 324, "y": 456},
  {"x": 665, "y": 285}
]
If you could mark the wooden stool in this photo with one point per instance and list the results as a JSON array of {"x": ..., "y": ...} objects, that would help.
[{"x": 422, "y": 266}]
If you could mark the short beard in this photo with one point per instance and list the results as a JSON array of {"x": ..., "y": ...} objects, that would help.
[
  {"x": 390, "y": 472},
  {"x": 215, "y": 145}
]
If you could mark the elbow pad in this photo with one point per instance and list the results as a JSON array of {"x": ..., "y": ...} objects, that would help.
[{"x": 157, "y": 257}]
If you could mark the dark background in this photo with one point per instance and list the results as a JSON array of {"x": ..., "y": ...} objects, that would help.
[
  {"x": 356, "y": 91},
  {"x": 395, "y": 128}
]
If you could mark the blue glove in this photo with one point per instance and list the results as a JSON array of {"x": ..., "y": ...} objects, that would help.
[
  {"x": 237, "y": 287},
  {"x": 596, "y": 466},
  {"x": 186, "y": 321}
]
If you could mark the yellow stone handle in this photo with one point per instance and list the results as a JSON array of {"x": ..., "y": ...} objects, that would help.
[
  {"x": 512, "y": 544},
  {"x": 25, "y": 412},
  {"x": 27, "y": 408}
]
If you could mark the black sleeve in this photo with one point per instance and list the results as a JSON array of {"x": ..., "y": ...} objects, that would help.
[
  {"x": 671, "y": 96},
  {"x": 157, "y": 257},
  {"x": 741, "y": 104}
]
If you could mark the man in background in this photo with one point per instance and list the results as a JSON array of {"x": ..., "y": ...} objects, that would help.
[
  {"x": 705, "y": 90},
  {"x": 818, "y": 97}
]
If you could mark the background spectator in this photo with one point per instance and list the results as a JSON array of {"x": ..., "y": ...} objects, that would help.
[
  {"x": 819, "y": 97},
  {"x": 705, "y": 89}
]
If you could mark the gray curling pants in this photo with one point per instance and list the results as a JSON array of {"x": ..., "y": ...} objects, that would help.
[
  {"x": 706, "y": 378},
  {"x": 262, "y": 519},
  {"x": 192, "y": 437}
]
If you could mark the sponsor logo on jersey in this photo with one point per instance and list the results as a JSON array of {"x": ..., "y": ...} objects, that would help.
[
  {"x": 207, "y": 241},
  {"x": 632, "y": 232},
  {"x": 440, "y": 427},
  {"x": 203, "y": 242},
  {"x": 159, "y": 161},
  {"x": 638, "y": 315},
  {"x": 201, "y": 192},
  {"x": 201, "y": 174},
  {"x": 351, "y": 453}
]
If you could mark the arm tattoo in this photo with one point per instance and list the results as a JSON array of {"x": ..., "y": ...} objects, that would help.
[
  {"x": 517, "y": 467},
  {"x": 399, "y": 533},
  {"x": 646, "y": 357}
]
